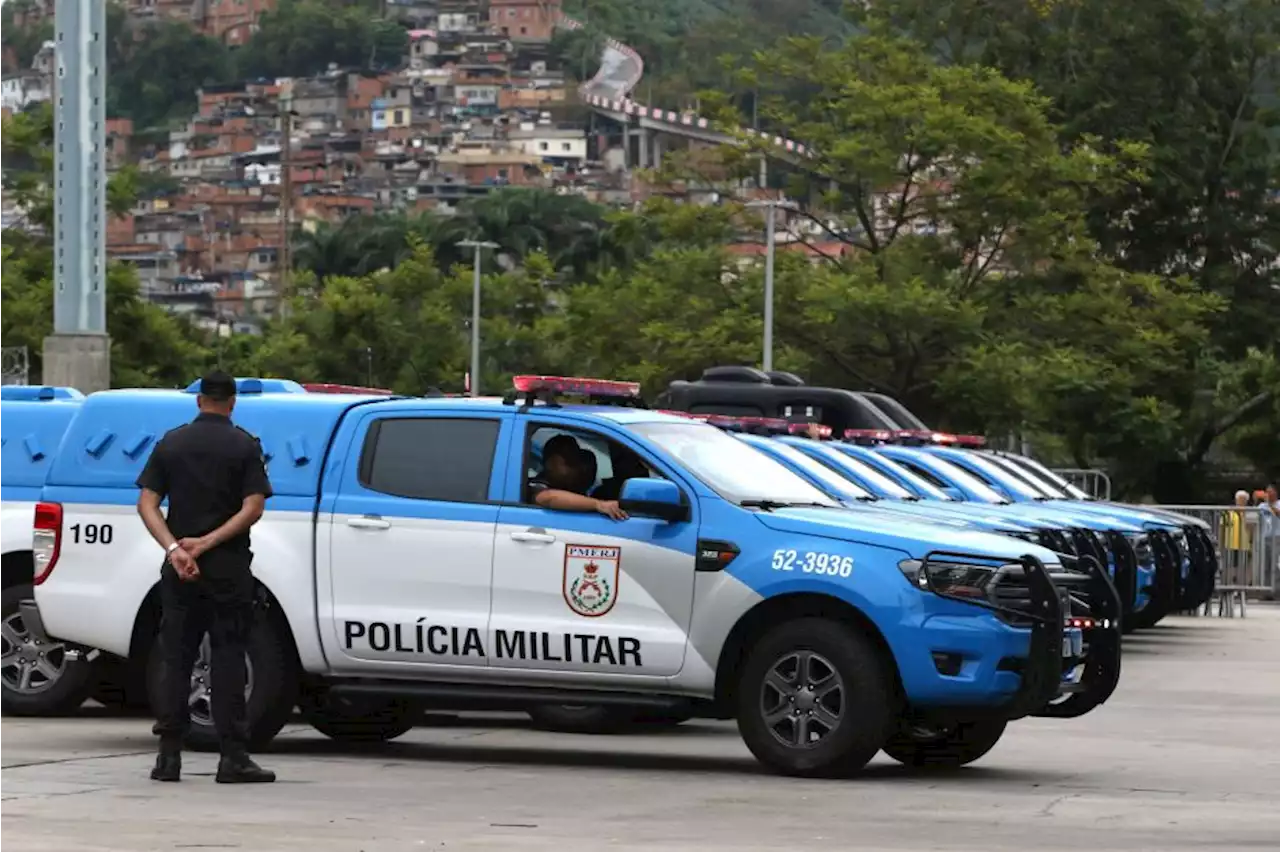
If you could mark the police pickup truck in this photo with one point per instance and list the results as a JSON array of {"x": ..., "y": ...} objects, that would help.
[{"x": 402, "y": 563}]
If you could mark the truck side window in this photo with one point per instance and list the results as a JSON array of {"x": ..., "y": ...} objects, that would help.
[{"x": 430, "y": 458}]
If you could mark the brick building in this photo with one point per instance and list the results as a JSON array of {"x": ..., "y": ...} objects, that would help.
[{"x": 531, "y": 20}]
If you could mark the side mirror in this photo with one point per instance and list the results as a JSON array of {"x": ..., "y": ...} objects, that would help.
[{"x": 653, "y": 498}]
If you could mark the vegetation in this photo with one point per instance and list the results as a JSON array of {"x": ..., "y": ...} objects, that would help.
[
  {"x": 155, "y": 68},
  {"x": 1057, "y": 218}
]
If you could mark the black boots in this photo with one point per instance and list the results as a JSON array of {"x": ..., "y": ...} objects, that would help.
[
  {"x": 168, "y": 767},
  {"x": 232, "y": 769},
  {"x": 239, "y": 769}
]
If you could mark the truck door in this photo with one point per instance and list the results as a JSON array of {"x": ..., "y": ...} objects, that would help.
[
  {"x": 410, "y": 540},
  {"x": 577, "y": 592}
]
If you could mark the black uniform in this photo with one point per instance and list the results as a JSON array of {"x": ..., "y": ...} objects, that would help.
[{"x": 206, "y": 469}]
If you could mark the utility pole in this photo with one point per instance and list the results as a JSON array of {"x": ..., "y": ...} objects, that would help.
[
  {"x": 286, "y": 188},
  {"x": 78, "y": 353},
  {"x": 771, "y": 206},
  {"x": 474, "y": 384}
]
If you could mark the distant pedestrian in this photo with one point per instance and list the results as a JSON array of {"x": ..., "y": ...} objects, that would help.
[
  {"x": 215, "y": 478},
  {"x": 1269, "y": 532}
]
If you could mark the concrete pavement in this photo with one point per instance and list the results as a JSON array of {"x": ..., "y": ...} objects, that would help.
[{"x": 1186, "y": 755}]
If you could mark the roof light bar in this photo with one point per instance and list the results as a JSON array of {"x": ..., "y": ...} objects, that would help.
[
  {"x": 975, "y": 441},
  {"x": 568, "y": 384},
  {"x": 868, "y": 436},
  {"x": 925, "y": 436},
  {"x": 773, "y": 425},
  {"x": 330, "y": 387},
  {"x": 817, "y": 431}
]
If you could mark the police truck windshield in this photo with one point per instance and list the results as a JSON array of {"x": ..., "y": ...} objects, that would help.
[
  {"x": 994, "y": 474},
  {"x": 883, "y": 484},
  {"x": 965, "y": 480},
  {"x": 732, "y": 469},
  {"x": 837, "y": 484}
]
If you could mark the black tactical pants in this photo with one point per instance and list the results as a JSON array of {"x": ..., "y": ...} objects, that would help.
[{"x": 219, "y": 602}]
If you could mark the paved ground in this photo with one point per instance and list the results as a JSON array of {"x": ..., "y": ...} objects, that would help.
[{"x": 1185, "y": 756}]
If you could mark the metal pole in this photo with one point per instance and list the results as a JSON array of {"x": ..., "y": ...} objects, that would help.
[
  {"x": 286, "y": 193},
  {"x": 475, "y": 311},
  {"x": 475, "y": 327},
  {"x": 768, "y": 290},
  {"x": 78, "y": 352}
]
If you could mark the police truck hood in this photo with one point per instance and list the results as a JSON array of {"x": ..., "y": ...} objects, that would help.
[{"x": 916, "y": 538}]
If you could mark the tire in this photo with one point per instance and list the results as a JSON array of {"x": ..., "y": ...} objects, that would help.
[
  {"x": 582, "y": 719},
  {"x": 364, "y": 722},
  {"x": 861, "y": 712},
  {"x": 1148, "y": 617},
  {"x": 961, "y": 744},
  {"x": 272, "y": 687},
  {"x": 54, "y": 685}
]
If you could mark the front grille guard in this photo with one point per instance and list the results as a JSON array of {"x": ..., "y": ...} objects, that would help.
[
  {"x": 1042, "y": 672},
  {"x": 1168, "y": 591},
  {"x": 1126, "y": 571},
  {"x": 1203, "y": 576},
  {"x": 1102, "y": 648}
]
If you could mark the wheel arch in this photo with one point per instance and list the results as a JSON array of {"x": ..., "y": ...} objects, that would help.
[
  {"x": 17, "y": 569},
  {"x": 773, "y": 611}
]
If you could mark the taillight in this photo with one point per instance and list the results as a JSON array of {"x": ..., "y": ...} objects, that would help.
[{"x": 46, "y": 540}]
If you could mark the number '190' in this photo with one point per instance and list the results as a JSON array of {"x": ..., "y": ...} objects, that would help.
[{"x": 809, "y": 562}]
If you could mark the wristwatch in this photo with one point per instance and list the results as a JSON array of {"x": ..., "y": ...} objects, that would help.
[{"x": 171, "y": 548}]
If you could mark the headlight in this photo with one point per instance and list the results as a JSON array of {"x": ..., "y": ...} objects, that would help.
[{"x": 952, "y": 579}]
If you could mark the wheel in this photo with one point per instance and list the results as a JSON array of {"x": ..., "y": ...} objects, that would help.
[
  {"x": 271, "y": 687},
  {"x": 946, "y": 747},
  {"x": 814, "y": 699},
  {"x": 582, "y": 718},
  {"x": 38, "y": 678},
  {"x": 363, "y": 721}
]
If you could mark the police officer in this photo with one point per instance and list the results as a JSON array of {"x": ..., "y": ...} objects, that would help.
[{"x": 215, "y": 478}]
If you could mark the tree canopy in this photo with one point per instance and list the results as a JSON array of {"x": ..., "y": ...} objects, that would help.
[{"x": 1054, "y": 219}]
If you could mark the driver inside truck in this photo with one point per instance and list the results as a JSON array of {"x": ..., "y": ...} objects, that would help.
[{"x": 564, "y": 479}]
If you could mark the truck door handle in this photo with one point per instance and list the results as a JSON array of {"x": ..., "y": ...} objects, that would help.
[
  {"x": 533, "y": 537},
  {"x": 368, "y": 523}
]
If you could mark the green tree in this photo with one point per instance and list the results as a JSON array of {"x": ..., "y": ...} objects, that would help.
[
  {"x": 303, "y": 37},
  {"x": 155, "y": 69},
  {"x": 25, "y": 41},
  {"x": 1197, "y": 88},
  {"x": 149, "y": 347},
  {"x": 970, "y": 286},
  {"x": 408, "y": 327}
]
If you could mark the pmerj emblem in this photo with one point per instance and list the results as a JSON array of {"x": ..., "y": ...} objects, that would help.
[{"x": 591, "y": 578}]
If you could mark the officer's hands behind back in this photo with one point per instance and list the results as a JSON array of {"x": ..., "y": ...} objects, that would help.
[{"x": 184, "y": 563}]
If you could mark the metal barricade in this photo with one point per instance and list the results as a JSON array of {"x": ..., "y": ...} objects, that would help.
[
  {"x": 1095, "y": 483},
  {"x": 1248, "y": 553}
]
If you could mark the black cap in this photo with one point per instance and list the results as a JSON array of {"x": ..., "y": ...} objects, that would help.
[{"x": 217, "y": 386}]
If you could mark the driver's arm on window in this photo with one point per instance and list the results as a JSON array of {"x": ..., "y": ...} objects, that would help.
[{"x": 567, "y": 501}]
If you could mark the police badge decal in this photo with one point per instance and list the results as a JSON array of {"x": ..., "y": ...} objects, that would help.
[{"x": 591, "y": 578}]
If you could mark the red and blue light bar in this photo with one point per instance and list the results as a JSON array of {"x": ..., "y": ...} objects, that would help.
[
  {"x": 817, "y": 431},
  {"x": 330, "y": 387},
  {"x": 569, "y": 384}
]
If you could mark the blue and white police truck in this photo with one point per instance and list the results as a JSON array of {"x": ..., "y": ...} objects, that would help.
[
  {"x": 36, "y": 677},
  {"x": 402, "y": 564}
]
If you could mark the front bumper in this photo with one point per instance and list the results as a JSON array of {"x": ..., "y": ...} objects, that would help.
[{"x": 1045, "y": 636}]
